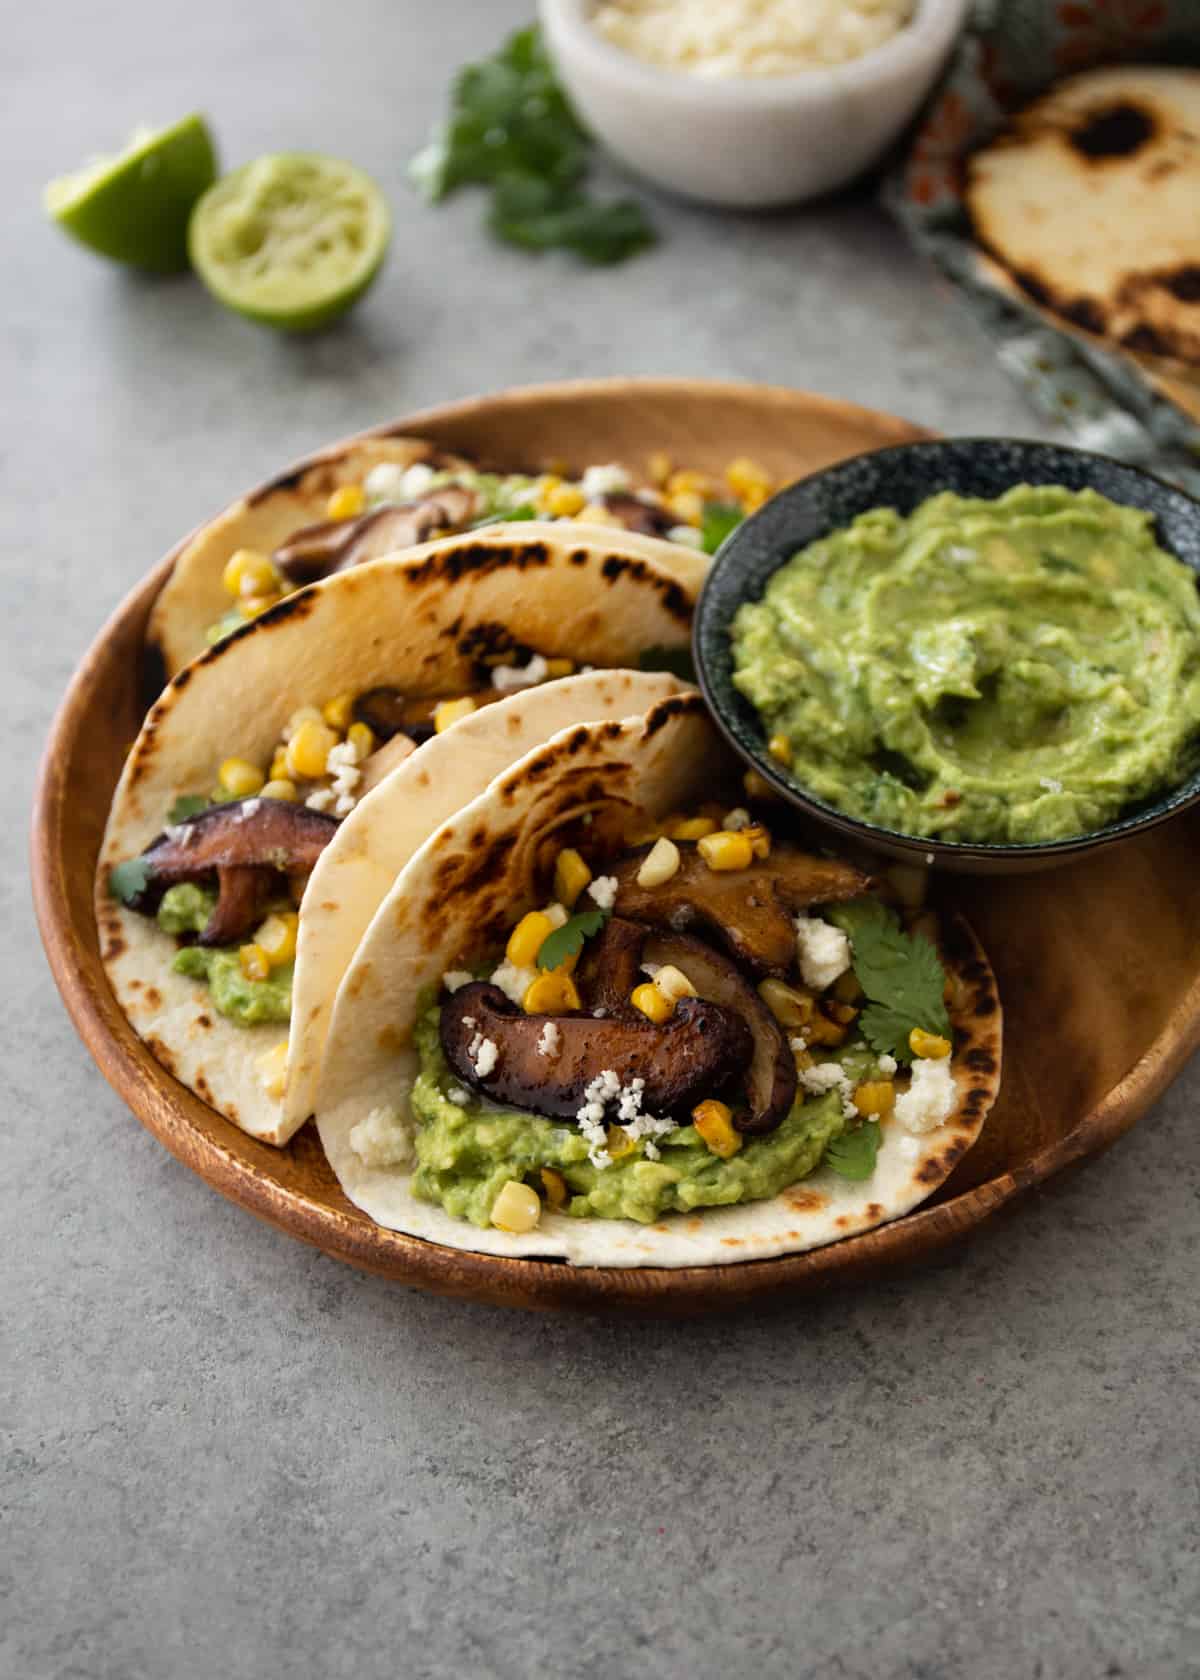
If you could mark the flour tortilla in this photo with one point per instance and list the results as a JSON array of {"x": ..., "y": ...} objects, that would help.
[
  {"x": 1090, "y": 200},
  {"x": 456, "y": 898},
  {"x": 418, "y": 623}
]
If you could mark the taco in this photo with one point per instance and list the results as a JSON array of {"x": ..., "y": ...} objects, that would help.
[
  {"x": 380, "y": 495},
  {"x": 610, "y": 1014},
  {"x": 214, "y": 895}
]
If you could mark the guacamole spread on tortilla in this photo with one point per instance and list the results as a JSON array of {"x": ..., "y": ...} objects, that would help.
[
  {"x": 186, "y": 908},
  {"x": 1015, "y": 670}
]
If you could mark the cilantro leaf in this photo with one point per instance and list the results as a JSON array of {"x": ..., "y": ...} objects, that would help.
[
  {"x": 536, "y": 213},
  {"x": 188, "y": 805},
  {"x": 567, "y": 941},
  {"x": 720, "y": 520},
  {"x": 678, "y": 661},
  {"x": 525, "y": 511},
  {"x": 900, "y": 973},
  {"x": 127, "y": 881},
  {"x": 853, "y": 1154}
]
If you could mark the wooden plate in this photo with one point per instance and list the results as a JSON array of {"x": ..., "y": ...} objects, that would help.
[{"x": 1098, "y": 963}]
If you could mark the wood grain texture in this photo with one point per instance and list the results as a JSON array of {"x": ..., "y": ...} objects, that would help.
[{"x": 1098, "y": 963}]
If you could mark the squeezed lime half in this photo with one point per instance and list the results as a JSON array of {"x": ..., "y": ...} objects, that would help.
[
  {"x": 134, "y": 206},
  {"x": 291, "y": 240}
]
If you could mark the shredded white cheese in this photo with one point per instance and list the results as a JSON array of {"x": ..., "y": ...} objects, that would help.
[
  {"x": 641, "y": 1128},
  {"x": 321, "y": 800},
  {"x": 549, "y": 1041},
  {"x": 689, "y": 536},
  {"x": 604, "y": 481},
  {"x": 483, "y": 1054},
  {"x": 508, "y": 678},
  {"x": 382, "y": 1139},
  {"x": 603, "y": 890},
  {"x": 829, "y": 1076},
  {"x": 384, "y": 483},
  {"x": 822, "y": 951},
  {"x": 514, "y": 982},
  {"x": 456, "y": 979},
  {"x": 750, "y": 37},
  {"x": 929, "y": 1101},
  {"x": 887, "y": 1066}
]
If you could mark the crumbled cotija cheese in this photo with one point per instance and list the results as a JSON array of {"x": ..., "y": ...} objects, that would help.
[
  {"x": 483, "y": 1055},
  {"x": 603, "y": 891},
  {"x": 750, "y": 37},
  {"x": 508, "y": 678},
  {"x": 929, "y": 1101},
  {"x": 822, "y": 951},
  {"x": 456, "y": 979},
  {"x": 550, "y": 1040},
  {"x": 382, "y": 1139},
  {"x": 514, "y": 982},
  {"x": 829, "y": 1076}
]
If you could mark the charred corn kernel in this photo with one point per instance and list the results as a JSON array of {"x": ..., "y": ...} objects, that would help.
[
  {"x": 714, "y": 1121},
  {"x": 673, "y": 983},
  {"x": 780, "y": 749},
  {"x": 821, "y": 1030},
  {"x": 559, "y": 668},
  {"x": 690, "y": 828},
  {"x": 752, "y": 500},
  {"x": 555, "y": 1186},
  {"x": 308, "y": 750},
  {"x": 687, "y": 482},
  {"x": 338, "y": 712},
  {"x": 757, "y": 787},
  {"x": 527, "y": 938},
  {"x": 595, "y": 513},
  {"x": 843, "y": 1013},
  {"x": 277, "y": 937},
  {"x": 450, "y": 711},
  {"x": 362, "y": 738},
  {"x": 272, "y": 1070},
  {"x": 279, "y": 766},
  {"x": 745, "y": 476},
  {"x": 929, "y": 1046},
  {"x": 346, "y": 502},
  {"x": 618, "y": 1143},
  {"x": 687, "y": 506},
  {"x": 653, "y": 1005},
  {"x": 571, "y": 875},
  {"x": 551, "y": 994},
  {"x": 803, "y": 1058},
  {"x": 254, "y": 961},
  {"x": 565, "y": 501},
  {"x": 790, "y": 1006},
  {"x": 658, "y": 465},
  {"x": 240, "y": 778},
  {"x": 253, "y": 605},
  {"x": 249, "y": 572},
  {"x": 759, "y": 838},
  {"x": 661, "y": 862},
  {"x": 874, "y": 1097},
  {"x": 516, "y": 1208},
  {"x": 279, "y": 787},
  {"x": 846, "y": 988},
  {"x": 724, "y": 851}
]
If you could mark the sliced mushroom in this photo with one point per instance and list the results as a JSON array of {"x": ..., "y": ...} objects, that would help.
[
  {"x": 317, "y": 551},
  {"x": 390, "y": 713},
  {"x": 699, "y": 1052},
  {"x": 384, "y": 760},
  {"x": 749, "y": 910},
  {"x": 636, "y": 515},
  {"x": 242, "y": 846},
  {"x": 611, "y": 967}
]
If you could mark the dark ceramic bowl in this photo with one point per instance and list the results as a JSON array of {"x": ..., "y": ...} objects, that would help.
[{"x": 902, "y": 478}]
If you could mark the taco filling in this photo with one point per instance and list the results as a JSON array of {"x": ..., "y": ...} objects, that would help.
[{"x": 702, "y": 1019}]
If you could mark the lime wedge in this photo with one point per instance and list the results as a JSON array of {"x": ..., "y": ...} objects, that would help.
[
  {"x": 291, "y": 240},
  {"x": 134, "y": 207}
]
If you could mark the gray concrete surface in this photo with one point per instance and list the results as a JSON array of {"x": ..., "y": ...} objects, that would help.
[{"x": 227, "y": 1456}]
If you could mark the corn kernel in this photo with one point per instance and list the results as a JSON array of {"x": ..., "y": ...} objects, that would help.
[
  {"x": 248, "y": 572},
  {"x": 308, "y": 750},
  {"x": 929, "y": 1046},
  {"x": 757, "y": 787},
  {"x": 346, "y": 502},
  {"x": 790, "y": 1007},
  {"x": 362, "y": 738},
  {"x": 272, "y": 1070},
  {"x": 658, "y": 466},
  {"x": 527, "y": 939},
  {"x": 277, "y": 937},
  {"x": 780, "y": 749},
  {"x": 240, "y": 778},
  {"x": 876, "y": 1096},
  {"x": 450, "y": 711},
  {"x": 516, "y": 1207},
  {"x": 661, "y": 862},
  {"x": 543, "y": 487},
  {"x": 653, "y": 1005},
  {"x": 559, "y": 668},
  {"x": 571, "y": 876},
  {"x": 595, "y": 513},
  {"x": 279, "y": 766},
  {"x": 565, "y": 501},
  {"x": 752, "y": 500},
  {"x": 821, "y": 1030},
  {"x": 555, "y": 1186},
  {"x": 759, "y": 838},
  {"x": 843, "y": 1013},
  {"x": 255, "y": 964},
  {"x": 673, "y": 983},
  {"x": 687, "y": 482},
  {"x": 689, "y": 828},
  {"x": 723, "y": 851},
  {"x": 714, "y": 1121},
  {"x": 302, "y": 714},
  {"x": 551, "y": 994},
  {"x": 746, "y": 478},
  {"x": 846, "y": 988},
  {"x": 279, "y": 787},
  {"x": 618, "y": 1143},
  {"x": 253, "y": 605},
  {"x": 687, "y": 507},
  {"x": 338, "y": 712}
]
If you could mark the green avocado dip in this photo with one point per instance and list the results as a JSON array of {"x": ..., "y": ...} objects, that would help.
[
  {"x": 251, "y": 1003},
  {"x": 1015, "y": 670},
  {"x": 467, "y": 1151}
]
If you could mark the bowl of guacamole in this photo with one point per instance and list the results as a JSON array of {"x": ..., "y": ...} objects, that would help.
[{"x": 981, "y": 652}]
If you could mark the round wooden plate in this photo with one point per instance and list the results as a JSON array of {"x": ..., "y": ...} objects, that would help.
[{"x": 1098, "y": 964}]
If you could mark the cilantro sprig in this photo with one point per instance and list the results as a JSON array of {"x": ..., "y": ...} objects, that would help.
[
  {"x": 853, "y": 1154},
  {"x": 511, "y": 127},
  {"x": 720, "y": 520},
  {"x": 188, "y": 805},
  {"x": 127, "y": 881},
  {"x": 567, "y": 940},
  {"x": 900, "y": 973}
]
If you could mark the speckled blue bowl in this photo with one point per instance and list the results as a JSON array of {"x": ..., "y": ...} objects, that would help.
[{"x": 902, "y": 478}]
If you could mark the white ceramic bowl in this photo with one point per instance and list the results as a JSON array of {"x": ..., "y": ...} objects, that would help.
[{"x": 749, "y": 141}]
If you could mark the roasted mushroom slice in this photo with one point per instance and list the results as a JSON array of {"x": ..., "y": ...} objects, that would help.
[
  {"x": 317, "y": 551},
  {"x": 648, "y": 518},
  {"x": 770, "y": 1078},
  {"x": 242, "y": 846},
  {"x": 611, "y": 967},
  {"x": 496, "y": 1050},
  {"x": 749, "y": 910}
]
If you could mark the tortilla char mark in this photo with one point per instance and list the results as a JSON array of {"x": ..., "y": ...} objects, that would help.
[{"x": 1113, "y": 131}]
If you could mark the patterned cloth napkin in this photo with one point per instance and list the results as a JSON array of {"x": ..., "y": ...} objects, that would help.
[{"x": 1012, "y": 51}]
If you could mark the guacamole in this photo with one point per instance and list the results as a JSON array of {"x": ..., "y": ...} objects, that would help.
[
  {"x": 251, "y": 1003},
  {"x": 1013, "y": 670},
  {"x": 466, "y": 1152}
]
